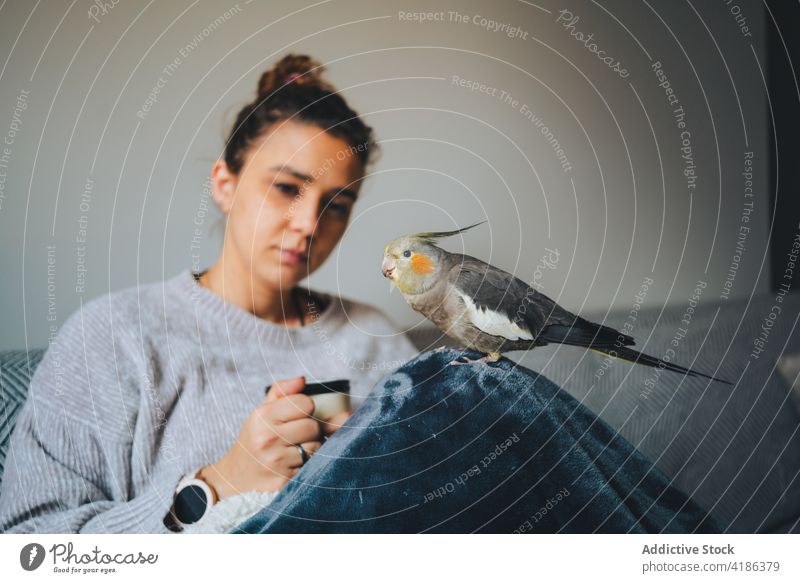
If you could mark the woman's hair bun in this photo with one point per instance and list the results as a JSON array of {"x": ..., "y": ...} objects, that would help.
[
  {"x": 293, "y": 89},
  {"x": 299, "y": 69}
]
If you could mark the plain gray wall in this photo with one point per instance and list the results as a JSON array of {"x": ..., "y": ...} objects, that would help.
[{"x": 450, "y": 156}]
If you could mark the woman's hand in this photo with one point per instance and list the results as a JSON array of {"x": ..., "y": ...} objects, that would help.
[{"x": 264, "y": 456}]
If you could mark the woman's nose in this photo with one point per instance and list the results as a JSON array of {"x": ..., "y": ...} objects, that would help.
[{"x": 304, "y": 214}]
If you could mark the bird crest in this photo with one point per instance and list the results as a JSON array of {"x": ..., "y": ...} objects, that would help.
[{"x": 432, "y": 237}]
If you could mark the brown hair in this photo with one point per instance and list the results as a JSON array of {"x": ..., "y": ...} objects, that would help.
[{"x": 294, "y": 89}]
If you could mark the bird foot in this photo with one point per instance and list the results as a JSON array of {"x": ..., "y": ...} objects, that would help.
[
  {"x": 442, "y": 348},
  {"x": 494, "y": 357}
]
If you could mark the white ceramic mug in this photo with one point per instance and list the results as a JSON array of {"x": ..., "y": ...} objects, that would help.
[{"x": 330, "y": 398}]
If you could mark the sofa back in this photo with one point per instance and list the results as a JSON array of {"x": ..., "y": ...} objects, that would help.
[{"x": 16, "y": 370}]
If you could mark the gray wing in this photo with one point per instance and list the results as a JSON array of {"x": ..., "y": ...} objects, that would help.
[
  {"x": 502, "y": 304},
  {"x": 500, "y": 299}
]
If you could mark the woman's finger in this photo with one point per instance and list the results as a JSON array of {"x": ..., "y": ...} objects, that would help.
[
  {"x": 310, "y": 448},
  {"x": 288, "y": 409},
  {"x": 298, "y": 431},
  {"x": 330, "y": 426},
  {"x": 285, "y": 387}
]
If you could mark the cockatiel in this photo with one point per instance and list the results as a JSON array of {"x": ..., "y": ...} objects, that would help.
[{"x": 491, "y": 311}]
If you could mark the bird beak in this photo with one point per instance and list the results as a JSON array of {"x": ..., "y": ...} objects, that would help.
[{"x": 388, "y": 267}]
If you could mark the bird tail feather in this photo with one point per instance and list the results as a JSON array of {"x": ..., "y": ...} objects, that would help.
[
  {"x": 630, "y": 355},
  {"x": 584, "y": 333}
]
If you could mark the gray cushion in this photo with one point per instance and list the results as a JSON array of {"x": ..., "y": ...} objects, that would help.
[
  {"x": 735, "y": 450},
  {"x": 16, "y": 370}
]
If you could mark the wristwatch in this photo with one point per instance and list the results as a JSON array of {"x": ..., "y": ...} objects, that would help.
[{"x": 193, "y": 499}]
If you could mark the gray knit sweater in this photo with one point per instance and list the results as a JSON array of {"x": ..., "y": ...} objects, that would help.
[{"x": 143, "y": 385}]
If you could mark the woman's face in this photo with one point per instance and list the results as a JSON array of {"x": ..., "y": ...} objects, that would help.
[{"x": 290, "y": 203}]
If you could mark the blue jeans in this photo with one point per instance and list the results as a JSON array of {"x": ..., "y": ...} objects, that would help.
[{"x": 480, "y": 448}]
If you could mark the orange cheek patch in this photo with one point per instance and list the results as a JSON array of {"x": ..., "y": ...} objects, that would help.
[{"x": 421, "y": 264}]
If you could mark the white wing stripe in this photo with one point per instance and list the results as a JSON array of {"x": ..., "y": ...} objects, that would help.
[{"x": 494, "y": 323}]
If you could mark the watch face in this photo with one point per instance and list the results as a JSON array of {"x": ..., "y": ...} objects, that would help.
[{"x": 190, "y": 504}]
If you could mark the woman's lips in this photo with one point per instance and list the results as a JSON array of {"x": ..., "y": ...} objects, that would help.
[{"x": 291, "y": 257}]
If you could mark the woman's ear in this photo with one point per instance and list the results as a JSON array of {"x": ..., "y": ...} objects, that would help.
[{"x": 223, "y": 183}]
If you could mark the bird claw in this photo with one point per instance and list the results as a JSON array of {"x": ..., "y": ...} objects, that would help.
[
  {"x": 457, "y": 361},
  {"x": 484, "y": 360}
]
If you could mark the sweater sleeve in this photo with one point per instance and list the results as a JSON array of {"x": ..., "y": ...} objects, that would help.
[
  {"x": 61, "y": 477},
  {"x": 398, "y": 346},
  {"x": 70, "y": 462},
  {"x": 378, "y": 347}
]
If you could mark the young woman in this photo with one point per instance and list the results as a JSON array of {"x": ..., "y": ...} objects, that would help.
[{"x": 149, "y": 390}]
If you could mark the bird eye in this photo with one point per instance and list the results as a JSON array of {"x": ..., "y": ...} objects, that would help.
[{"x": 406, "y": 253}]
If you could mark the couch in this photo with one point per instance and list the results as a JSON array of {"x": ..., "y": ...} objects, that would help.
[{"x": 734, "y": 449}]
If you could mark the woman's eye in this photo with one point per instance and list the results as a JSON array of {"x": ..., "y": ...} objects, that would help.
[
  {"x": 336, "y": 206},
  {"x": 339, "y": 209},
  {"x": 286, "y": 188},
  {"x": 406, "y": 253}
]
